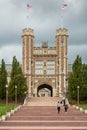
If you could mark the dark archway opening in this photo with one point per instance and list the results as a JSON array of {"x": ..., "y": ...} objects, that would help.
[{"x": 44, "y": 90}]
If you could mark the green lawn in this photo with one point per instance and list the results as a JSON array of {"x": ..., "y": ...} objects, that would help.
[
  {"x": 84, "y": 106},
  {"x": 3, "y": 108}
]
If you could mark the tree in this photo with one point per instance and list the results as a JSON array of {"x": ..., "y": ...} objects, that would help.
[
  {"x": 75, "y": 78},
  {"x": 17, "y": 79},
  {"x": 3, "y": 80},
  {"x": 83, "y": 93}
]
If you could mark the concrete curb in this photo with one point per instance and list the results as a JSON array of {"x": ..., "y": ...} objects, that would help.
[
  {"x": 3, "y": 117},
  {"x": 79, "y": 108}
]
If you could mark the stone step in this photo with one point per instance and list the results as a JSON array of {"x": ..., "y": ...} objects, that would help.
[
  {"x": 43, "y": 101},
  {"x": 44, "y": 123},
  {"x": 43, "y": 128},
  {"x": 45, "y": 117},
  {"x": 45, "y": 98},
  {"x": 47, "y": 111},
  {"x": 48, "y": 118}
]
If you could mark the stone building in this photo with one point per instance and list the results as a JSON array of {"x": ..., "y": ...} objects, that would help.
[{"x": 45, "y": 68}]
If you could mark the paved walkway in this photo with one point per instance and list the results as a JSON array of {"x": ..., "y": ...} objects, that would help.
[{"x": 36, "y": 117}]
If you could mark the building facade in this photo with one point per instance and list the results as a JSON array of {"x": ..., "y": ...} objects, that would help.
[{"x": 45, "y": 68}]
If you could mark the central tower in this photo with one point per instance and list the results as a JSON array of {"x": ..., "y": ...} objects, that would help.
[{"x": 44, "y": 67}]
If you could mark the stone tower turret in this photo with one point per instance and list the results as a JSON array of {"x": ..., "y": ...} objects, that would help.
[
  {"x": 61, "y": 45},
  {"x": 27, "y": 51}
]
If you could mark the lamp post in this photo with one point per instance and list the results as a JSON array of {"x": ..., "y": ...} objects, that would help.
[
  {"x": 6, "y": 99},
  {"x": 78, "y": 95},
  {"x": 66, "y": 91},
  {"x": 15, "y": 96}
]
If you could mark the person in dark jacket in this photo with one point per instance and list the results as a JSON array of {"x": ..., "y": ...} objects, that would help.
[
  {"x": 63, "y": 100},
  {"x": 66, "y": 107}
]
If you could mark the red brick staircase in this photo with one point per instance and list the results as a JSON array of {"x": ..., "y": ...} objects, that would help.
[{"x": 41, "y": 114}]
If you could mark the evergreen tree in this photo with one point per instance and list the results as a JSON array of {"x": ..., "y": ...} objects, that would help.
[
  {"x": 17, "y": 79},
  {"x": 3, "y": 80},
  {"x": 83, "y": 93},
  {"x": 71, "y": 87},
  {"x": 75, "y": 78}
]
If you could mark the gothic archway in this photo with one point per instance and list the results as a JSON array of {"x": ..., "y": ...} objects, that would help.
[{"x": 44, "y": 90}]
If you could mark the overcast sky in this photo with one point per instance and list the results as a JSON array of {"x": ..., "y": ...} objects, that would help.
[{"x": 44, "y": 17}]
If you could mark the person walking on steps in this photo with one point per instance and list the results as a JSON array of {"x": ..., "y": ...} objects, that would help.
[
  {"x": 66, "y": 107},
  {"x": 64, "y": 102},
  {"x": 58, "y": 107}
]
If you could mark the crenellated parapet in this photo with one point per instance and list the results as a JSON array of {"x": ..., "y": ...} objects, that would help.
[
  {"x": 62, "y": 32},
  {"x": 27, "y": 32}
]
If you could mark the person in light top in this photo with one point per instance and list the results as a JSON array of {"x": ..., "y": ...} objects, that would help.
[{"x": 58, "y": 107}]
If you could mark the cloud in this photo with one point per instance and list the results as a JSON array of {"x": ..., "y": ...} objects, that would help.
[
  {"x": 44, "y": 18},
  {"x": 77, "y": 50},
  {"x": 7, "y": 52}
]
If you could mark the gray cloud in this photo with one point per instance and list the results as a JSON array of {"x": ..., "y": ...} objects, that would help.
[
  {"x": 77, "y": 50},
  {"x": 44, "y": 18}
]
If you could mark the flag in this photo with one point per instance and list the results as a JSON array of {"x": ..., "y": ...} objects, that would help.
[
  {"x": 29, "y": 6},
  {"x": 63, "y": 6}
]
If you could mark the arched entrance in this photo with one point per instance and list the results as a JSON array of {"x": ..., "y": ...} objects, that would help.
[{"x": 44, "y": 90}]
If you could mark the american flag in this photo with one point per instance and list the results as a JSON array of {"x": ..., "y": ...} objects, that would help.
[
  {"x": 29, "y": 6},
  {"x": 63, "y": 6}
]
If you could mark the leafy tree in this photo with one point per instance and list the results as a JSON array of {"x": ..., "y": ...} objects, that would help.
[
  {"x": 17, "y": 79},
  {"x": 3, "y": 80}
]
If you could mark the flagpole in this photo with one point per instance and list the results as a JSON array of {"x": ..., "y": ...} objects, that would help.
[
  {"x": 28, "y": 14},
  {"x": 28, "y": 8},
  {"x": 61, "y": 18},
  {"x": 63, "y": 6},
  {"x": 27, "y": 17}
]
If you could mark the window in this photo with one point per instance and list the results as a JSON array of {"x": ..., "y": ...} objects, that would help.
[
  {"x": 50, "y": 67},
  {"x": 39, "y": 67},
  {"x": 58, "y": 83},
  {"x": 62, "y": 43},
  {"x": 42, "y": 67},
  {"x": 58, "y": 62},
  {"x": 62, "y": 69}
]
